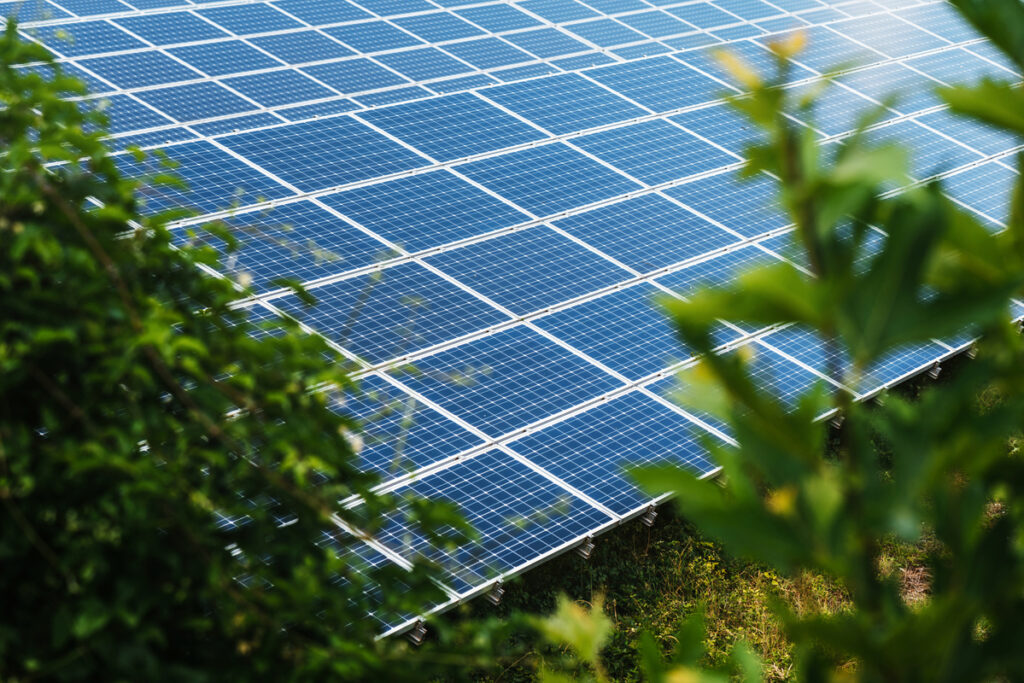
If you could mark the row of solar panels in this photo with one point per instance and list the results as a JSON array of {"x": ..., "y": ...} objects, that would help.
[
  {"x": 271, "y": 81},
  {"x": 521, "y": 229}
]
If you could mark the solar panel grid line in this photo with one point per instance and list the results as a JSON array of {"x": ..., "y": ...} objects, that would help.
[
  {"x": 829, "y": 380},
  {"x": 512, "y": 322},
  {"x": 166, "y": 53},
  {"x": 490, "y": 442},
  {"x": 133, "y": 12},
  {"x": 228, "y": 38},
  {"x": 277, "y": 31},
  {"x": 284, "y": 108},
  {"x": 983, "y": 160},
  {"x": 559, "y": 482},
  {"x": 560, "y": 28},
  {"x": 534, "y": 223}
]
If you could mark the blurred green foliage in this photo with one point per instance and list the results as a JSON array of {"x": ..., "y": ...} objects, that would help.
[
  {"x": 119, "y": 366},
  {"x": 803, "y": 497}
]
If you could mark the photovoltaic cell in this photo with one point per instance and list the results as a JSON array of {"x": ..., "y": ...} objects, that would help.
[
  {"x": 84, "y": 38},
  {"x": 388, "y": 315},
  {"x": 548, "y": 179},
  {"x": 425, "y": 210},
  {"x": 488, "y": 53},
  {"x": 546, "y": 42},
  {"x": 625, "y": 330},
  {"x": 985, "y": 188},
  {"x": 929, "y": 152},
  {"x": 593, "y": 450},
  {"x": 319, "y": 154},
  {"x": 660, "y": 84},
  {"x": 216, "y": 180},
  {"x": 274, "y": 88},
  {"x": 563, "y": 103},
  {"x": 530, "y": 269},
  {"x": 318, "y": 12},
  {"x": 438, "y": 27},
  {"x": 354, "y": 75},
  {"x": 301, "y": 47},
  {"x": 497, "y": 392},
  {"x": 452, "y": 127},
  {"x": 647, "y": 232},
  {"x": 228, "y": 57},
  {"x": 517, "y": 513},
  {"x": 747, "y": 206},
  {"x": 654, "y": 152},
  {"x": 195, "y": 101},
  {"x": 401, "y": 434},
  {"x": 300, "y": 241},
  {"x": 558, "y": 10},
  {"x": 498, "y": 18},
  {"x": 248, "y": 19}
]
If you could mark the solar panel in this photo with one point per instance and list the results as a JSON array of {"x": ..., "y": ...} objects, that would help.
[{"x": 498, "y": 192}]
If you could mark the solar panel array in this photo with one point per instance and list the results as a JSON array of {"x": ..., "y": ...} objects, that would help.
[{"x": 495, "y": 192}]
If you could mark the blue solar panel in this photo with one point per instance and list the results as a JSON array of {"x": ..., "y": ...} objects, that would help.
[
  {"x": 746, "y": 206},
  {"x": 438, "y": 27},
  {"x": 518, "y": 513},
  {"x": 704, "y": 15},
  {"x": 139, "y": 69},
  {"x": 125, "y": 113},
  {"x": 388, "y": 315},
  {"x": 171, "y": 27},
  {"x": 661, "y": 233},
  {"x": 247, "y": 19},
  {"x": 558, "y": 10},
  {"x": 625, "y": 330},
  {"x": 546, "y": 42},
  {"x": 426, "y": 210},
  {"x": 373, "y": 36},
  {"x": 548, "y": 179},
  {"x": 656, "y": 24},
  {"x": 300, "y": 241},
  {"x": 354, "y": 75},
  {"x": 530, "y": 269},
  {"x": 722, "y": 125},
  {"x": 482, "y": 208},
  {"x": 196, "y": 101},
  {"x": 400, "y": 433},
  {"x": 592, "y": 450},
  {"x": 660, "y": 84},
  {"x": 563, "y": 103},
  {"x": 913, "y": 90},
  {"x": 985, "y": 189},
  {"x": 216, "y": 180},
  {"x": 84, "y": 38},
  {"x": 930, "y": 152},
  {"x": 31, "y": 10},
  {"x": 274, "y": 88},
  {"x": 497, "y": 18},
  {"x": 452, "y": 127},
  {"x": 229, "y": 57},
  {"x": 320, "y": 154},
  {"x": 301, "y": 47},
  {"x": 424, "y": 64},
  {"x": 488, "y": 53},
  {"x": 654, "y": 152},
  {"x": 318, "y": 12},
  {"x": 605, "y": 32},
  {"x": 509, "y": 380}
]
